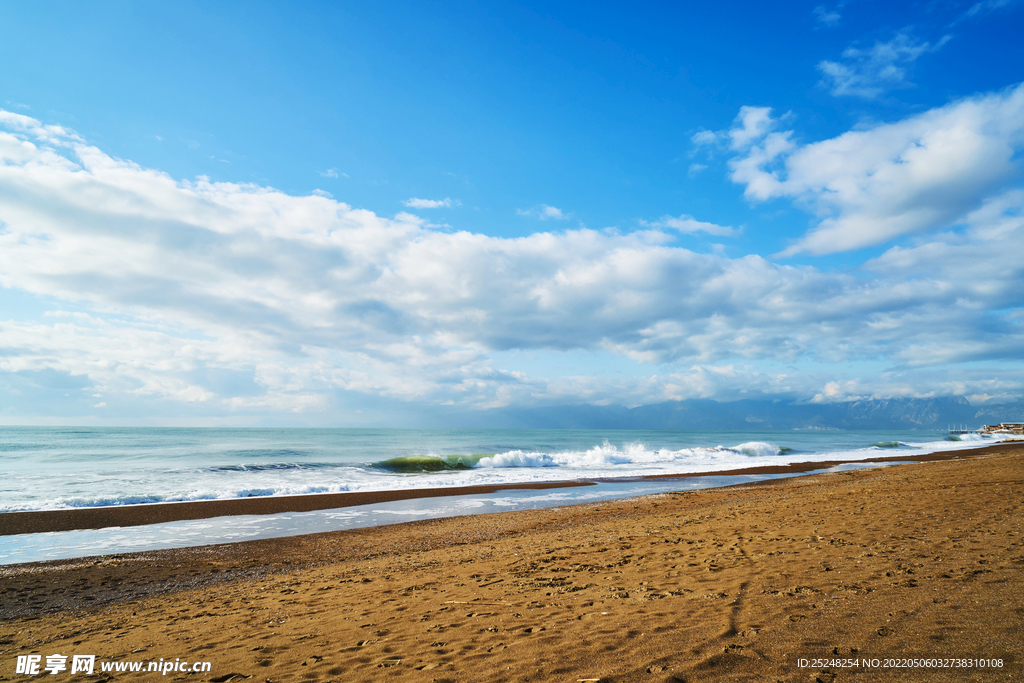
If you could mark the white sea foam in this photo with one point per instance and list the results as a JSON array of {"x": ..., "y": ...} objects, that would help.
[
  {"x": 975, "y": 438},
  {"x": 609, "y": 456},
  {"x": 161, "y": 470},
  {"x": 518, "y": 459}
]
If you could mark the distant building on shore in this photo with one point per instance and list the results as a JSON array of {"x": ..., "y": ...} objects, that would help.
[{"x": 1003, "y": 428}]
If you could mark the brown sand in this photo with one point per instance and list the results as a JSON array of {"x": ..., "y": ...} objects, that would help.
[{"x": 917, "y": 560}]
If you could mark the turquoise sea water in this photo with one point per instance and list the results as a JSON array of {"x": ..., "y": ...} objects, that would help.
[{"x": 53, "y": 468}]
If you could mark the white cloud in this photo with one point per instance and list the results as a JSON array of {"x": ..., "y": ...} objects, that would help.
[
  {"x": 704, "y": 137},
  {"x": 329, "y": 173},
  {"x": 871, "y": 72},
  {"x": 416, "y": 203},
  {"x": 723, "y": 382},
  {"x": 869, "y": 186},
  {"x": 544, "y": 212},
  {"x": 827, "y": 17},
  {"x": 751, "y": 123},
  {"x": 986, "y": 6},
  {"x": 696, "y": 169},
  {"x": 57, "y": 136},
  {"x": 734, "y": 381},
  {"x": 322, "y": 193},
  {"x": 687, "y": 223},
  {"x": 236, "y": 297},
  {"x": 117, "y": 358},
  {"x": 835, "y": 392}
]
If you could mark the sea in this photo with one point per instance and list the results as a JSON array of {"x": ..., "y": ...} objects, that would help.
[{"x": 49, "y": 468}]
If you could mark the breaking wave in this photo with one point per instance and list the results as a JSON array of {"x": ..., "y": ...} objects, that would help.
[
  {"x": 608, "y": 455},
  {"x": 410, "y": 464}
]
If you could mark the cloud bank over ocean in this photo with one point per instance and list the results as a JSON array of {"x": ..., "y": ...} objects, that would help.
[{"x": 236, "y": 298}]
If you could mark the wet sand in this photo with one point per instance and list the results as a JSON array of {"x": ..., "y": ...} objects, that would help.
[
  {"x": 738, "y": 583},
  {"x": 42, "y": 521}
]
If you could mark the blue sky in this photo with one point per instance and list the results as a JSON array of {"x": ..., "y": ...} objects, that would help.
[{"x": 215, "y": 214}]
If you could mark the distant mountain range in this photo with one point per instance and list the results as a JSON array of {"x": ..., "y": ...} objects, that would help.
[{"x": 705, "y": 414}]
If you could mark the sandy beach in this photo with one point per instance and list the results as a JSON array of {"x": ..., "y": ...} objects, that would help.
[{"x": 901, "y": 564}]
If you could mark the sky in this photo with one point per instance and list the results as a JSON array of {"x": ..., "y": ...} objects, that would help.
[{"x": 355, "y": 214}]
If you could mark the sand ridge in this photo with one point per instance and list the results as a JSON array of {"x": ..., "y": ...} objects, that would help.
[{"x": 724, "y": 584}]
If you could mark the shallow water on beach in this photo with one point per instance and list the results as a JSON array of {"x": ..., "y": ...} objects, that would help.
[
  {"x": 46, "y": 468},
  {"x": 181, "y": 534}
]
